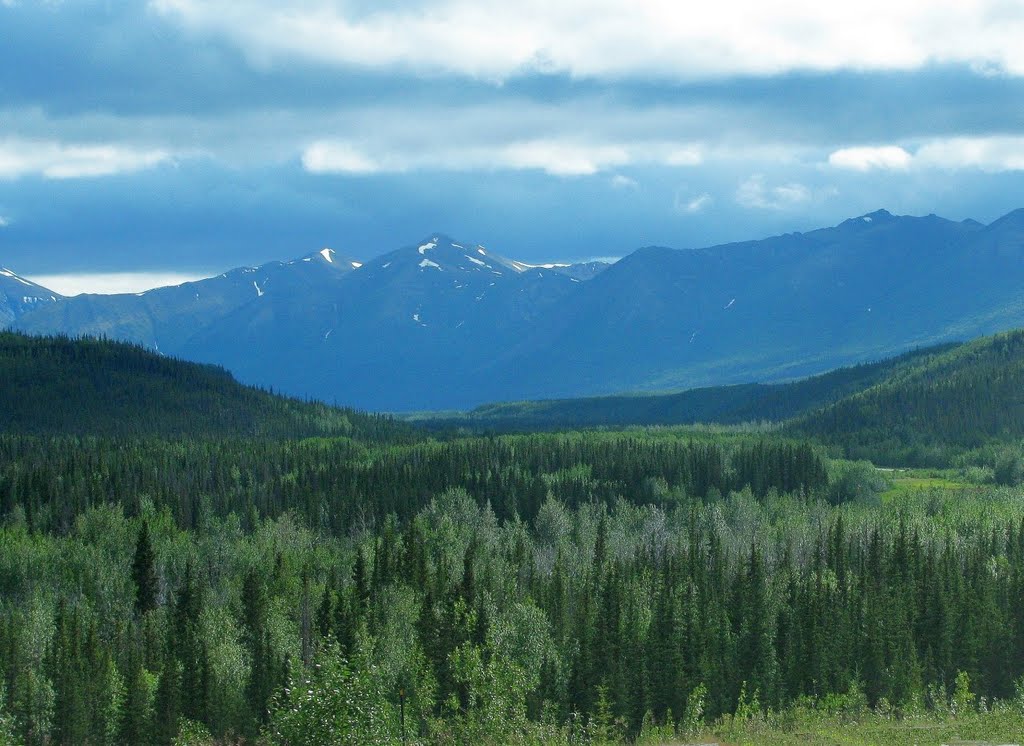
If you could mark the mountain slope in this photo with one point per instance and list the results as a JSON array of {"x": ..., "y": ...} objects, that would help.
[
  {"x": 781, "y": 307},
  {"x": 164, "y": 319},
  {"x": 18, "y": 296},
  {"x": 413, "y": 325},
  {"x": 91, "y": 387}
]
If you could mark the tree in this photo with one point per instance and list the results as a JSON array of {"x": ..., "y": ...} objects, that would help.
[{"x": 144, "y": 572}]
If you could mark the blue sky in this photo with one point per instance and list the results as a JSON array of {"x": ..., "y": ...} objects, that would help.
[{"x": 178, "y": 138}]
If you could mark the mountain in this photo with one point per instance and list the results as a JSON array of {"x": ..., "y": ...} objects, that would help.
[
  {"x": 18, "y": 296},
  {"x": 774, "y": 309},
  {"x": 439, "y": 324},
  {"x": 59, "y": 386},
  {"x": 410, "y": 326},
  {"x": 165, "y": 319},
  {"x": 726, "y": 405}
]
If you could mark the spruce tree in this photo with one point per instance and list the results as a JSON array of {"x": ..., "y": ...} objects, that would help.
[{"x": 144, "y": 572}]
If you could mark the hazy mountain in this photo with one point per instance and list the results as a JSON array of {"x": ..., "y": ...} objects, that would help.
[
  {"x": 441, "y": 324},
  {"x": 410, "y": 328},
  {"x": 166, "y": 318}
]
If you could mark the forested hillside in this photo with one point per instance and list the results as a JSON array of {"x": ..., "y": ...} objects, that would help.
[
  {"x": 55, "y": 385},
  {"x": 729, "y": 405},
  {"x": 928, "y": 412}
]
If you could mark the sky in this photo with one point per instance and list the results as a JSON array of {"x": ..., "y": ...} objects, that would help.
[{"x": 149, "y": 142}]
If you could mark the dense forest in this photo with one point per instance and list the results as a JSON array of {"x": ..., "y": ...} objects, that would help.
[{"x": 301, "y": 580}]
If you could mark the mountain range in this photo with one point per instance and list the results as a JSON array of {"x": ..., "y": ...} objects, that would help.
[{"x": 440, "y": 324}]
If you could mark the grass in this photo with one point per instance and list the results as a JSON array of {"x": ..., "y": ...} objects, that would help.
[
  {"x": 1005, "y": 726},
  {"x": 903, "y": 482}
]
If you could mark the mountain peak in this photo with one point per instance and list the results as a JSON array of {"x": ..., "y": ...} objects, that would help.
[
  {"x": 332, "y": 258},
  {"x": 1013, "y": 218},
  {"x": 870, "y": 219}
]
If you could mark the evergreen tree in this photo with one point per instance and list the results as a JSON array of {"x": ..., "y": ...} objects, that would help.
[{"x": 144, "y": 572}]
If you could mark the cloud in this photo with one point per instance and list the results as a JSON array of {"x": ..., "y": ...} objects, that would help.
[
  {"x": 624, "y": 182},
  {"x": 754, "y": 192},
  {"x": 992, "y": 154},
  {"x": 337, "y": 157},
  {"x": 106, "y": 283},
  {"x": 497, "y": 40},
  {"x": 4, "y": 221},
  {"x": 563, "y": 157},
  {"x": 55, "y": 160},
  {"x": 688, "y": 156},
  {"x": 693, "y": 204},
  {"x": 890, "y": 157}
]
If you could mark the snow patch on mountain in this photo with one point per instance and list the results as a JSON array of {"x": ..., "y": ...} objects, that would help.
[
  {"x": 328, "y": 255},
  {"x": 428, "y": 263},
  {"x": 8, "y": 273},
  {"x": 428, "y": 246},
  {"x": 523, "y": 266}
]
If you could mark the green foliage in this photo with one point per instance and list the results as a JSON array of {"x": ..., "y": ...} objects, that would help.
[
  {"x": 963, "y": 701},
  {"x": 338, "y": 703}
]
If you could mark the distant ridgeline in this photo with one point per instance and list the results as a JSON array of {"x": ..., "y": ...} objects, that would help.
[{"x": 56, "y": 385}]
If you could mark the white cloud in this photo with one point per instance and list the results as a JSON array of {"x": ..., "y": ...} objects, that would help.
[
  {"x": 111, "y": 282},
  {"x": 754, "y": 192},
  {"x": 993, "y": 154},
  {"x": 891, "y": 157},
  {"x": 688, "y": 156},
  {"x": 4, "y": 222},
  {"x": 495, "y": 39},
  {"x": 624, "y": 182},
  {"x": 693, "y": 204},
  {"x": 337, "y": 157},
  {"x": 559, "y": 156},
  {"x": 999, "y": 153},
  {"x": 55, "y": 160}
]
